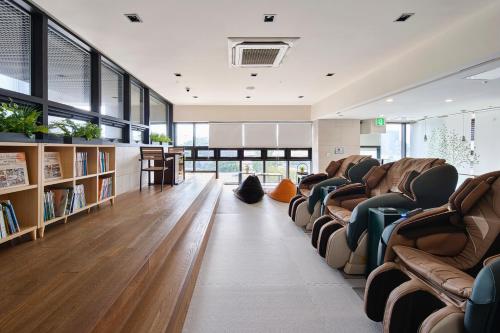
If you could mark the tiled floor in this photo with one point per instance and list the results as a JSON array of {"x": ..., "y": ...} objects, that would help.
[{"x": 260, "y": 274}]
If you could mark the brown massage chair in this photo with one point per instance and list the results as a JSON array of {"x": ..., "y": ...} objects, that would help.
[
  {"x": 441, "y": 270},
  {"x": 341, "y": 235},
  {"x": 304, "y": 208}
]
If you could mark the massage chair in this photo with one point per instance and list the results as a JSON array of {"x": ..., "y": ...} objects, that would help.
[
  {"x": 304, "y": 208},
  {"x": 441, "y": 270},
  {"x": 341, "y": 235}
]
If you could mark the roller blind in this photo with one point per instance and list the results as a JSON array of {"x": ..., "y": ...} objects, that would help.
[
  {"x": 226, "y": 135},
  {"x": 261, "y": 135},
  {"x": 295, "y": 135}
]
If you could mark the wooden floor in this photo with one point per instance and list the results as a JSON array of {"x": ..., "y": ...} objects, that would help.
[{"x": 104, "y": 271}]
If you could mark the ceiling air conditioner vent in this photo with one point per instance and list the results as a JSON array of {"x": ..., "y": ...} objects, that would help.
[{"x": 258, "y": 53}]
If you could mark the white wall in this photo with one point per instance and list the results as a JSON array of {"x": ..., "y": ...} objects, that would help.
[
  {"x": 487, "y": 133},
  {"x": 127, "y": 169},
  {"x": 461, "y": 45},
  {"x": 241, "y": 113},
  {"x": 329, "y": 134}
]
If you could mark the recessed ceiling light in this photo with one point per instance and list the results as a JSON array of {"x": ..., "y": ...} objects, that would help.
[
  {"x": 253, "y": 74},
  {"x": 195, "y": 96},
  {"x": 449, "y": 100},
  {"x": 248, "y": 97},
  {"x": 404, "y": 17},
  {"x": 330, "y": 74},
  {"x": 269, "y": 18},
  {"x": 177, "y": 74},
  {"x": 301, "y": 96},
  {"x": 389, "y": 100},
  {"x": 134, "y": 18}
]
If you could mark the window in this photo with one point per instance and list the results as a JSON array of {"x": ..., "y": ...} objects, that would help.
[
  {"x": 390, "y": 143},
  {"x": 69, "y": 72},
  {"x": 137, "y": 136},
  {"x": 188, "y": 153},
  {"x": 275, "y": 153},
  {"x": 201, "y": 132},
  {"x": 228, "y": 171},
  {"x": 252, "y": 153},
  {"x": 294, "y": 166},
  {"x": 205, "y": 153},
  {"x": 157, "y": 115},
  {"x": 111, "y": 132},
  {"x": 205, "y": 166},
  {"x": 299, "y": 153},
  {"x": 275, "y": 167},
  {"x": 227, "y": 153},
  {"x": 184, "y": 135},
  {"x": 15, "y": 48},
  {"x": 136, "y": 104},
  {"x": 370, "y": 151},
  {"x": 54, "y": 119},
  {"x": 111, "y": 92},
  {"x": 188, "y": 165}
]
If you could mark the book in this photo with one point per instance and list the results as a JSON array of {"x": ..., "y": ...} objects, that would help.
[
  {"x": 13, "y": 170},
  {"x": 81, "y": 164},
  {"x": 48, "y": 205},
  {"x": 3, "y": 227},
  {"x": 60, "y": 201},
  {"x": 52, "y": 165},
  {"x": 11, "y": 216},
  {"x": 105, "y": 187},
  {"x": 104, "y": 161}
]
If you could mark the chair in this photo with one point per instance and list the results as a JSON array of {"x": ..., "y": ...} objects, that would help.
[
  {"x": 441, "y": 270},
  {"x": 284, "y": 191},
  {"x": 306, "y": 209},
  {"x": 342, "y": 238},
  {"x": 157, "y": 155},
  {"x": 250, "y": 191}
]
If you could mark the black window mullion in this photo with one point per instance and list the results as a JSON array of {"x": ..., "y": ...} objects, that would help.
[
  {"x": 95, "y": 82},
  {"x": 147, "y": 132}
]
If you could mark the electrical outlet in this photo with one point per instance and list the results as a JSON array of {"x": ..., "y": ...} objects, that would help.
[{"x": 339, "y": 150}]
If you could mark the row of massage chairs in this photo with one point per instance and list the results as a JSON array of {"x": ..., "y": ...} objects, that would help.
[{"x": 439, "y": 265}]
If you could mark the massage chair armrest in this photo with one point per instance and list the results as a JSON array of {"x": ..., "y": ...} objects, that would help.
[
  {"x": 490, "y": 260},
  {"x": 434, "y": 187},
  {"x": 433, "y": 221},
  {"x": 348, "y": 191},
  {"x": 358, "y": 171},
  {"x": 309, "y": 180}
]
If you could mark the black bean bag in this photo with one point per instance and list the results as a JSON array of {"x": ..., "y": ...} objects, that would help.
[{"x": 250, "y": 191}]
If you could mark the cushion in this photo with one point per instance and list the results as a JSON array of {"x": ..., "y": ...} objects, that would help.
[
  {"x": 284, "y": 191},
  {"x": 250, "y": 191},
  {"x": 339, "y": 213},
  {"x": 332, "y": 168},
  {"x": 435, "y": 271}
]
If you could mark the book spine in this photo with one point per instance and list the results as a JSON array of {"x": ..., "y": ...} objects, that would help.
[{"x": 3, "y": 228}]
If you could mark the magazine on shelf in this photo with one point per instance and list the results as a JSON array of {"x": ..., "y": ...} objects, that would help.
[
  {"x": 9, "y": 216},
  {"x": 3, "y": 227},
  {"x": 105, "y": 188},
  {"x": 13, "y": 170},
  {"x": 60, "y": 201},
  {"x": 52, "y": 165},
  {"x": 81, "y": 164}
]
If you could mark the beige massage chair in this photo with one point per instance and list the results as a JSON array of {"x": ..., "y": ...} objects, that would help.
[
  {"x": 304, "y": 208},
  {"x": 442, "y": 266},
  {"x": 341, "y": 235}
]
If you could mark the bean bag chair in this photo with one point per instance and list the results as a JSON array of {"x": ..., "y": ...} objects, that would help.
[
  {"x": 250, "y": 191},
  {"x": 284, "y": 192}
]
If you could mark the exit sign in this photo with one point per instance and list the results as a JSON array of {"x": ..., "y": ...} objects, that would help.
[{"x": 380, "y": 121}]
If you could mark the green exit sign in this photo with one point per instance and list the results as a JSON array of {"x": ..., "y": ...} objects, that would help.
[{"x": 380, "y": 121}]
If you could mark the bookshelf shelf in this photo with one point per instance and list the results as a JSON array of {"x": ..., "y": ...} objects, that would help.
[
  {"x": 8, "y": 190},
  {"x": 23, "y": 231},
  {"x": 44, "y": 161},
  {"x": 86, "y": 176}
]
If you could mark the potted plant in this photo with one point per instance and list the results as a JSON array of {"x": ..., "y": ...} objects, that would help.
[
  {"x": 19, "y": 122},
  {"x": 73, "y": 132},
  {"x": 159, "y": 138}
]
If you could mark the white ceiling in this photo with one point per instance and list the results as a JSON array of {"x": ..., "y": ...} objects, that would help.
[
  {"x": 190, "y": 37},
  {"x": 431, "y": 99}
]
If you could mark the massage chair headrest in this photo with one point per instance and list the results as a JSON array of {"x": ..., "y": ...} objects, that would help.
[
  {"x": 333, "y": 167},
  {"x": 375, "y": 175},
  {"x": 471, "y": 191},
  {"x": 340, "y": 168}
]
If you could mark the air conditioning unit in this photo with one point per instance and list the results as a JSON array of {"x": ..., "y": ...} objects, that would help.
[{"x": 258, "y": 52}]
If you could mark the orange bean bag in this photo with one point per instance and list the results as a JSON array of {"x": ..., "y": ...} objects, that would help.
[{"x": 284, "y": 191}]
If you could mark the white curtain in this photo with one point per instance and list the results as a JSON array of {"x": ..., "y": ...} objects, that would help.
[
  {"x": 260, "y": 135},
  {"x": 295, "y": 135},
  {"x": 226, "y": 135}
]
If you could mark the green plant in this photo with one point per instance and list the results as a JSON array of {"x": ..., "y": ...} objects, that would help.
[
  {"x": 70, "y": 128},
  {"x": 20, "y": 119},
  {"x": 155, "y": 137}
]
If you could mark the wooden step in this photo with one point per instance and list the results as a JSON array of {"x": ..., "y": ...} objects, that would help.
[
  {"x": 165, "y": 304},
  {"x": 90, "y": 274}
]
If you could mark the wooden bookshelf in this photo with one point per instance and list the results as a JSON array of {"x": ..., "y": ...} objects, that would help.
[
  {"x": 90, "y": 181},
  {"x": 25, "y": 199}
]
